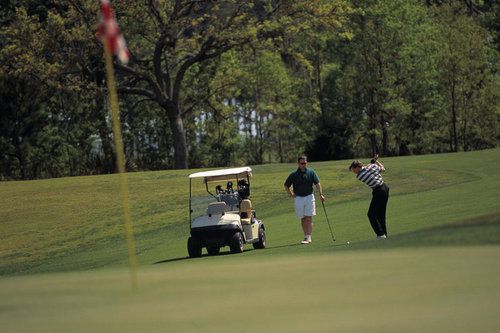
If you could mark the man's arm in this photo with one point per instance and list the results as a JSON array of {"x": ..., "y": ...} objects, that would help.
[
  {"x": 288, "y": 185},
  {"x": 377, "y": 162},
  {"x": 289, "y": 191},
  {"x": 380, "y": 165},
  {"x": 320, "y": 190}
]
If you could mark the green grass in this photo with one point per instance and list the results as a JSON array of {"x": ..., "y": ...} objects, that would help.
[
  {"x": 63, "y": 256},
  {"x": 453, "y": 289}
]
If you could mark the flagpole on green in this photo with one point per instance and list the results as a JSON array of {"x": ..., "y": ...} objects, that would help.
[{"x": 120, "y": 162}]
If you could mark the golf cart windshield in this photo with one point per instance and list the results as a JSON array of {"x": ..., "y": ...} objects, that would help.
[{"x": 225, "y": 185}]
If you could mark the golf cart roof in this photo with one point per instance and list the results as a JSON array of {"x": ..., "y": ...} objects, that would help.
[{"x": 223, "y": 174}]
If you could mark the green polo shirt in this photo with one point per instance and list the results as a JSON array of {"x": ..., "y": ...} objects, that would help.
[{"x": 302, "y": 181}]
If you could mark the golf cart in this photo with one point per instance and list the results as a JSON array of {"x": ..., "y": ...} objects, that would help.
[{"x": 222, "y": 215}]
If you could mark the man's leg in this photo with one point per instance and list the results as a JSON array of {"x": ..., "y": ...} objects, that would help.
[
  {"x": 300, "y": 212},
  {"x": 303, "y": 222},
  {"x": 382, "y": 198},
  {"x": 372, "y": 216},
  {"x": 306, "y": 222},
  {"x": 310, "y": 211}
]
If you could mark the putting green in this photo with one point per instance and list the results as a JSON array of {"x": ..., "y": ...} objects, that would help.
[{"x": 431, "y": 289}]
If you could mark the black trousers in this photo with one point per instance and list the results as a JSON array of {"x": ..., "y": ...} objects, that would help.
[{"x": 378, "y": 206}]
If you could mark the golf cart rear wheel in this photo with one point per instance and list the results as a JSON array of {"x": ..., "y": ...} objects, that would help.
[
  {"x": 194, "y": 247},
  {"x": 236, "y": 244},
  {"x": 213, "y": 250},
  {"x": 262, "y": 240}
]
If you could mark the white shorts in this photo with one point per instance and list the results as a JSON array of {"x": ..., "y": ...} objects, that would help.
[{"x": 305, "y": 206}]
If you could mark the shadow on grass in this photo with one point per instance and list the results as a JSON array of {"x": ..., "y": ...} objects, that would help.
[
  {"x": 225, "y": 253},
  {"x": 484, "y": 230},
  {"x": 171, "y": 260},
  {"x": 282, "y": 246},
  {"x": 298, "y": 244}
]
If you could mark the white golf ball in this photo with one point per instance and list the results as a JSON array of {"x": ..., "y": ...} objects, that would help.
[{"x": 348, "y": 243}]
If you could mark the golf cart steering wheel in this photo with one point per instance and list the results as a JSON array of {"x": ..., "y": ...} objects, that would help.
[{"x": 218, "y": 189}]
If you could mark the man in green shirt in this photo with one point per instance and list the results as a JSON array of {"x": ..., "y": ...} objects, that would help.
[{"x": 302, "y": 181}]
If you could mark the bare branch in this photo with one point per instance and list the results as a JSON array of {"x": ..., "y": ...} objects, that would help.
[
  {"x": 157, "y": 57},
  {"x": 217, "y": 113},
  {"x": 156, "y": 88},
  {"x": 155, "y": 13},
  {"x": 183, "y": 10},
  {"x": 136, "y": 104},
  {"x": 137, "y": 91},
  {"x": 206, "y": 99}
]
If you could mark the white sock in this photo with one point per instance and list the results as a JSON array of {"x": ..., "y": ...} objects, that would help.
[{"x": 308, "y": 238}]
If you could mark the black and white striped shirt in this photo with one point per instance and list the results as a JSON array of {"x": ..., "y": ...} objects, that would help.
[{"x": 370, "y": 175}]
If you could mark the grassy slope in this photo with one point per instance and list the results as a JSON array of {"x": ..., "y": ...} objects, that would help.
[{"x": 74, "y": 223}]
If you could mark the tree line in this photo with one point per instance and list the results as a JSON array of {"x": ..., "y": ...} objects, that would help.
[{"x": 221, "y": 83}]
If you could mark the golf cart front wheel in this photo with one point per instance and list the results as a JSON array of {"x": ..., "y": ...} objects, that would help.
[
  {"x": 236, "y": 244},
  {"x": 262, "y": 240},
  {"x": 194, "y": 247}
]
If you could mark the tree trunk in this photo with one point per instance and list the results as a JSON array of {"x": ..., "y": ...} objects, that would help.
[
  {"x": 109, "y": 161},
  {"x": 22, "y": 162},
  {"x": 19, "y": 154},
  {"x": 465, "y": 138},
  {"x": 179, "y": 136},
  {"x": 373, "y": 126},
  {"x": 260, "y": 140},
  {"x": 385, "y": 135},
  {"x": 280, "y": 150},
  {"x": 321, "y": 95},
  {"x": 373, "y": 111},
  {"x": 453, "y": 139}
]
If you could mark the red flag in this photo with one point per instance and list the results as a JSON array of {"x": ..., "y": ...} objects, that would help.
[{"x": 108, "y": 29}]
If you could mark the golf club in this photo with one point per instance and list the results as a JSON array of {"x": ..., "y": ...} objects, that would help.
[{"x": 328, "y": 221}]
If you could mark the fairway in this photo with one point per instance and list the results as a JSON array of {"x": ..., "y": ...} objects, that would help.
[{"x": 63, "y": 255}]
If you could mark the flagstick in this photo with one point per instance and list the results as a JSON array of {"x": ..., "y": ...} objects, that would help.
[{"x": 120, "y": 162}]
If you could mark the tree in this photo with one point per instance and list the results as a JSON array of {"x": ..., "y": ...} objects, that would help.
[
  {"x": 215, "y": 83},
  {"x": 264, "y": 106},
  {"x": 212, "y": 125},
  {"x": 176, "y": 35},
  {"x": 382, "y": 96},
  {"x": 53, "y": 63},
  {"x": 467, "y": 80},
  {"x": 310, "y": 57}
]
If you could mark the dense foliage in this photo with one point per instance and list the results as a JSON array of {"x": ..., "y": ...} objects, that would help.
[{"x": 218, "y": 83}]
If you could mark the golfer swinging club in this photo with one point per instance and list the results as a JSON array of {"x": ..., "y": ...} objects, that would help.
[
  {"x": 303, "y": 180},
  {"x": 370, "y": 175}
]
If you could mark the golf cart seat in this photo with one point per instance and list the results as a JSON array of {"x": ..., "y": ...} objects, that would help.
[
  {"x": 217, "y": 208},
  {"x": 246, "y": 211}
]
